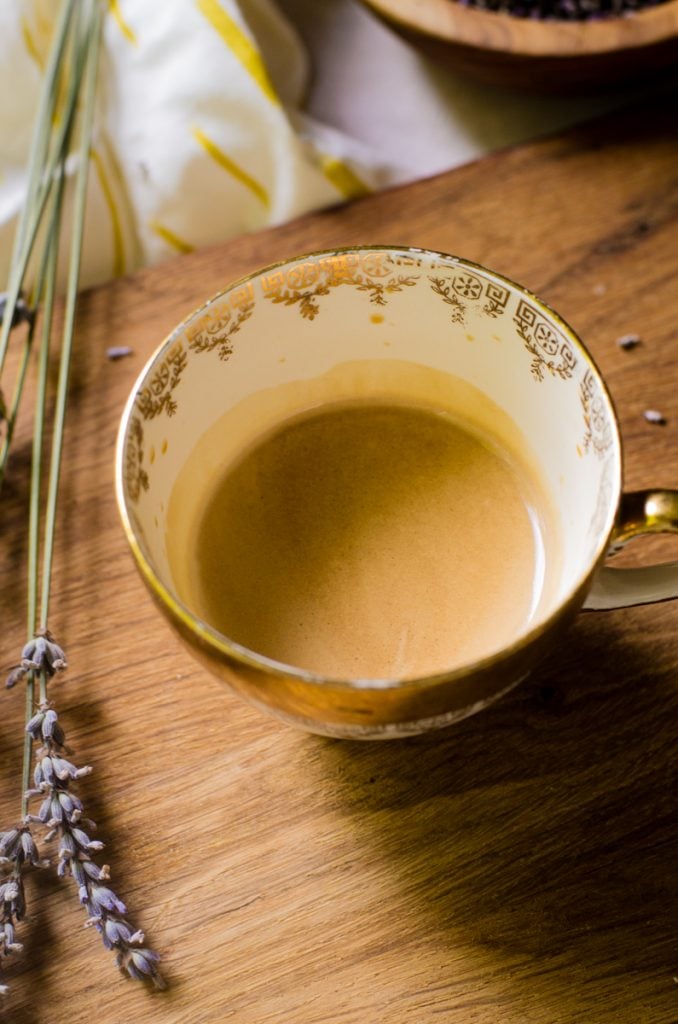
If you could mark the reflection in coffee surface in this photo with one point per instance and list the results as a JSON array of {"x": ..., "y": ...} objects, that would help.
[{"x": 369, "y": 539}]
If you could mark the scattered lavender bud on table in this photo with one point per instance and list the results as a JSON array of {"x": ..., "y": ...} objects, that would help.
[
  {"x": 115, "y": 352},
  {"x": 627, "y": 341},
  {"x": 654, "y": 416}
]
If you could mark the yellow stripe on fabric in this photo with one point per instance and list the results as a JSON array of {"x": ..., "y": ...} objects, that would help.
[
  {"x": 31, "y": 45},
  {"x": 171, "y": 239},
  {"x": 343, "y": 178},
  {"x": 116, "y": 229},
  {"x": 229, "y": 165},
  {"x": 116, "y": 13},
  {"x": 242, "y": 47}
]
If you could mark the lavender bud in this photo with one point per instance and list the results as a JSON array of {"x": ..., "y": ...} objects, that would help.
[
  {"x": 69, "y": 802},
  {"x": 94, "y": 871},
  {"x": 65, "y": 770},
  {"x": 44, "y": 812},
  {"x": 105, "y": 898},
  {"x": 34, "y": 727},
  {"x": 15, "y": 676},
  {"x": 117, "y": 931},
  {"x": 42, "y": 653},
  {"x": 11, "y": 890},
  {"x": 78, "y": 874},
  {"x": 30, "y": 850},
  {"x": 57, "y": 810},
  {"x": 66, "y": 845},
  {"x": 14, "y": 895},
  {"x": 9, "y": 842},
  {"x": 141, "y": 963},
  {"x": 48, "y": 723},
  {"x": 47, "y": 770},
  {"x": 81, "y": 838}
]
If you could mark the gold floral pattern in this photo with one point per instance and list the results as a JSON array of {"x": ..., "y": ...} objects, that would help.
[
  {"x": 304, "y": 283},
  {"x": 136, "y": 477},
  {"x": 471, "y": 288},
  {"x": 214, "y": 330},
  {"x": 550, "y": 351},
  {"x": 444, "y": 289},
  {"x": 158, "y": 395},
  {"x": 378, "y": 290},
  {"x": 597, "y": 436},
  {"x": 308, "y": 300}
]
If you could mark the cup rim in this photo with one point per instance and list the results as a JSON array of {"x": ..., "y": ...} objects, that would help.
[{"x": 223, "y": 645}]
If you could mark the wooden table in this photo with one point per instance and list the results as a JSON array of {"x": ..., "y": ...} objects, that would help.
[{"x": 518, "y": 869}]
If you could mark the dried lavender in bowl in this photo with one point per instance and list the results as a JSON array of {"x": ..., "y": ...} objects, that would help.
[{"x": 563, "y": 10}]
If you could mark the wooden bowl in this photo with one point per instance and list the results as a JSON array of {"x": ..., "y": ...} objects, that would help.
[{"x": 548, "y": 56}]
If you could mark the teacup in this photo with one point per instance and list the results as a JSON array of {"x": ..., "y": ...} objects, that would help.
[{"x": 357, "y": 324}]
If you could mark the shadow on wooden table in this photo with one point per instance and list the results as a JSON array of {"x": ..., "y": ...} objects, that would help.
[{"x": 538, "y": 838}]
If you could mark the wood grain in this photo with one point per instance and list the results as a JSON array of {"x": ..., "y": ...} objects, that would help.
[{"x": 519, "y": 869}]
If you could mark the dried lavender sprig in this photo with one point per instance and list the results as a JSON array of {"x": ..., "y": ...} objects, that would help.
[
  {"x": 61, "y": 812},
  {"x": 37, "y": 651},
  {"x": 41, "y": 656}
]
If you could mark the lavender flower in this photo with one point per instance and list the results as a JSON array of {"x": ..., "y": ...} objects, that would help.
[
  {"x": 61, "y": 812},
  {"x": 140, "y": 964},
  {"x": 43, "y": 654},
  {"x": 15, "y": 676}
]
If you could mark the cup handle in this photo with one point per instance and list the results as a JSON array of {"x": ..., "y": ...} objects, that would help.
[{"x": 640, "y": 512}]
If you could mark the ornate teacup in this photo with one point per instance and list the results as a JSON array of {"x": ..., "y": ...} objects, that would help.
[{"x": 293, "y": 324}]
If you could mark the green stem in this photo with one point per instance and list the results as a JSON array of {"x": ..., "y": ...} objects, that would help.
[
  {"x": 87, "y": 58},
  {"x": 92, "y": 44},
  {"x": 44, "y": 118},
  {"x": 51, "y": 261},
  {"x": 28, "y": 745},
  {"x": 36, "y": 298},
  {"x": 39, "y": 419},
  {"x": 42, "y": 175}
]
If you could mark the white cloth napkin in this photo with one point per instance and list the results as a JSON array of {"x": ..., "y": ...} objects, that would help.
[{"x": 201, "y": 133}]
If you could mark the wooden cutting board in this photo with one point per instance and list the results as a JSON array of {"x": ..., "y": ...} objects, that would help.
[{"x": 518, "y": 869}]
